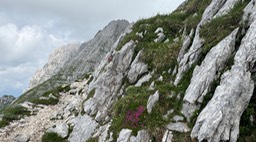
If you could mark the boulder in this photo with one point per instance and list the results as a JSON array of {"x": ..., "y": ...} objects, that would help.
[{"x": 152, "y": 100}]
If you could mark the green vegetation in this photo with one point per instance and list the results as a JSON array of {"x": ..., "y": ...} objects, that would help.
[
  {"x": 93, "y": 139},
  {"x": 52, "y": 137},
  {"x": 159, "y": 57},
  {"x": 13, "y": 113},
  {"x": 220, "y": 27},
  {"x": 51, "y": 97},
  {"x": 248, "y": 122},
  {"x": 136, "y": 98}
]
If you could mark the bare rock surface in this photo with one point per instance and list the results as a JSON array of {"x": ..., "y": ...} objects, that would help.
[
  {"x": 152, "y": 100},
  {"x": 219, "y": 120},
  {"x": 137, "y": 69},
  {"x": 207, "y": 72},
  {"x": 55, "y": 63},
  {"x": 192, "y": 55}
]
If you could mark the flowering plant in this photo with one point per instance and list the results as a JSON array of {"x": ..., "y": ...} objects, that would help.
[{"x": 133, "y": 117}]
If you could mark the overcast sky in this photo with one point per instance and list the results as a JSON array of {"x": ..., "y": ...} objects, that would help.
[{"x": 30, "y": 29}]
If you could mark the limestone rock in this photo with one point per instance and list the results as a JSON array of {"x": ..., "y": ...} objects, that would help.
[
  {"x": 60, "y": 129},
  {"x": 56, "y": 61},
  {"x": 192, "y": 55},
  {"x": 177, "y": 118},
  {"x": 137, "y": 69},
  {"x": 84, "y": 127},
  {"x": 152, "y": 100},
  {"x": 178, "y": 126},
  {"x": 21, "y": 138},
  {"x": 108, "y": 83},
  {"x": 143, "y": 79},
  {"x": 219, "y": 120},
  {"x": 124, "y": 135},
  {"x": 167, "y": 136},
  {"x": 142, "y": 136},
  {"x": 6, "y": 100},
  {"x": 205, "y": 74}
]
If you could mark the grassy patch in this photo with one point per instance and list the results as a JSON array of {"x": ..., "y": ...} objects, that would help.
[
  {"x": 52, "y": 96},
  {"x": 220, "y": 27},
  {"x": 52, "y": 137},
  {"x": 13, "y": 113},
  {"x": 135, "y": 100},
  {"x": 248, "y": 127}
]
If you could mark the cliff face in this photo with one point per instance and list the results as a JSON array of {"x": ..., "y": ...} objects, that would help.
[
  {"x": 6, "y": 100},
  {"x": 186, "y": 76},
  {"x": 57, "y": 60}
]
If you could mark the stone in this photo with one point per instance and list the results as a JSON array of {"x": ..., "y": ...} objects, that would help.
[
  {"x": 205, "y": 74},
  {"x": 152, "y": 86},
  {"x": 161, "y": 78},
  {"x": 124, "y": 135},
  {"x": 177, "y": 118},
  {"x": 137, "y": 68},
  {"x": 192, "y": 55},
  {"x": 6, "y": 100},
  {"x": 143, "y": 79},
  {"x": 84, "y": 127},
  {"x": 108, "y": 83},
  {"x": 21, "y": 138},
  {"x": 219, "y": 120},
  {"x": 152, "y": 100},
  {"x": 60, "y": 129},
  {"x": 56, "y": 61},
  {"x": 142, "y": 136},
  {"x": 159, "y": 30},
  {"x": 160, "y": 37},
  {"x": 167, "y": 136},
  {"x": 178, "y": 126}
]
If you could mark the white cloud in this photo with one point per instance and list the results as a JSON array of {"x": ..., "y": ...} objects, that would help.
[
  {"x": 30, "y": 29},
  {"x": 22, "y": 51}
]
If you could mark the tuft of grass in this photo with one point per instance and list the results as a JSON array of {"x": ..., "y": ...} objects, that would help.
[
  {"x": 13, "y": 113},
  {"x": 220, "y": 27},
  {"x": 248, "y": 127},
  {"x": 52, "y": 137},
  {"x": 50, "y": 100}
]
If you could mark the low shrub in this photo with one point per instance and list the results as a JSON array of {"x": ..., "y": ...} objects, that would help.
[{"x": 52, "y": 137}]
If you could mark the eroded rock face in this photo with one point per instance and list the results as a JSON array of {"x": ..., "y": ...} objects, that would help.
[
  {"x": 84, "y": 127},
  {"x": 151, "y": 101},
  {"x": 55, "y": 63},
  {"x": 220, "y": 119},
  {"x": 193, "y": 53},
  {"x": 137, "y": 69},
  {"x": 108, "y": 83},
  {"x": 6, "y": 100},
  {"x": 207, "y": 72},
  {"x": 92, "y": 52}
]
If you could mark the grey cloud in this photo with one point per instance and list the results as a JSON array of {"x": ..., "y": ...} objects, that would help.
[{"x": 30, "y": 29}]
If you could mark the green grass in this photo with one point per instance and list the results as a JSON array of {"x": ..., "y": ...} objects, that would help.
[
  {"x": 13, "y": 113},
  {"x": 138, "y": 96},
  {"x": 50, "y": 100},
  {"x": 52, "y": 137},
  {"x": 248, "y": 128},
  {"x": 220, "y": 27}
]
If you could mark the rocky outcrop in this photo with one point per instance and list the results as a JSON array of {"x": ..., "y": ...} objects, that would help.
[
  {"x": 207, "y": 72},
  {"x": 152, "y": 100},
  {"x": 84, "y": 127},
  {"x": 137, "y": 69},
  {"x": 194, "y": 51},
  {"x": 92, "y": 52},
  {"x": 107, "y": 85},
  {"x": 56, "y": 62},
  {"x": 6, "y": 100},
  {"x": 219, "y": 120}
]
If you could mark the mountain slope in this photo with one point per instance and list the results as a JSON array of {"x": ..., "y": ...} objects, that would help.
[{"x": 185, "y": 76}]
